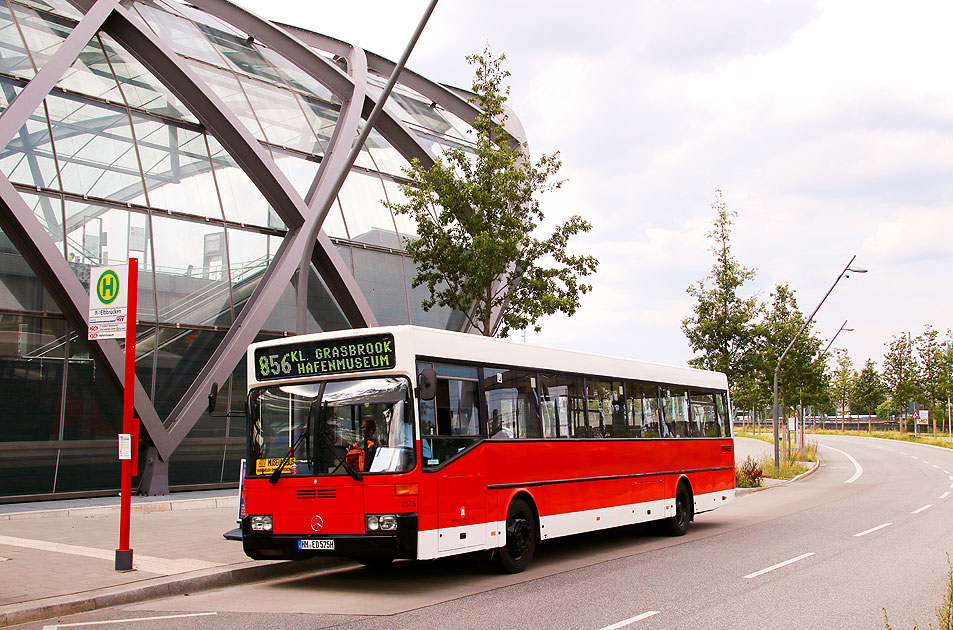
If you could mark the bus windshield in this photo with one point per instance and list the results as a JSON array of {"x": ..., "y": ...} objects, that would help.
[{"x": 346, "y": 427}]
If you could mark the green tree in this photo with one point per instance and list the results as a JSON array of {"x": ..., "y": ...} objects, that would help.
[
  {"x": 886, "y": 409},
  {"x": 721, "y": 330},
  {"x": 900, "y": 374},
  {"x": 802, "y": 375},
  {"x": 868, "y": 391},
  {"x": 476, "y": 214},
  {"x": 748, "y": 392},
  {"x": 932, "y": 369},
  {"x": 842, "y": 382}
]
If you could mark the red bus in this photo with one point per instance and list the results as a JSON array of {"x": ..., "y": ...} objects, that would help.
[{"x": 409, "y": 442}]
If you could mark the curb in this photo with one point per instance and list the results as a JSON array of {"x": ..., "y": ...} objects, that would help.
[
  {"x": 157, "y": 588},
  {"x": 740, "y": 492}
]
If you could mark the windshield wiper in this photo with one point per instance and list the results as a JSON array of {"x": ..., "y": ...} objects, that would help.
[
  {"x": 307, "y": 433},
  {"x": 356, "y": 475},
  {"x": 277, "y": 474}
]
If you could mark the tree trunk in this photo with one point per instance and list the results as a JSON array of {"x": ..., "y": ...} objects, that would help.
[{"x": 933, "y": 413}]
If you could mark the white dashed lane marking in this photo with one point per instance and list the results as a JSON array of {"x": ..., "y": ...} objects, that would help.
[
  {"x": 631, "y": 620},
  {"x": 777, "y": 566},
  {"x": 872, "y": 529}
]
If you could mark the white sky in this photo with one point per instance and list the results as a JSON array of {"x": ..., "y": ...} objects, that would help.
[{"x": 828, "y": 126}]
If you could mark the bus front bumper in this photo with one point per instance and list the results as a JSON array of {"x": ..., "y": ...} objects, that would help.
[{"x": 401, "y": 544}]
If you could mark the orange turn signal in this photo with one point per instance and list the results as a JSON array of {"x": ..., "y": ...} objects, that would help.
[{"x": 405, "y": 489}]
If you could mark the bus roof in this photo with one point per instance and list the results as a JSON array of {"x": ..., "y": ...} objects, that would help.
[{"x": 456, "y": 347}]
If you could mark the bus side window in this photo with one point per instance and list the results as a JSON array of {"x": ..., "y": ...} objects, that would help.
[
  {"x": 563, "y": 403},
  {"x": 643, "y": 410},
  {"x": 450, "y": 422},
  {"x": 606, "y": 416},
  {"x": 724, "y": 422},
  {"x": 704, "y": 421},
  {"x": 549, "y": 396},
  {"x": 675, "y": 411},
  {"x": 618, "y": 426},
  {"x": 511, "y": 404}
]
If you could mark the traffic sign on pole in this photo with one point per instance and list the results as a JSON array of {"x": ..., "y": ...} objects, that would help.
[{"x": 108, "y": 301}]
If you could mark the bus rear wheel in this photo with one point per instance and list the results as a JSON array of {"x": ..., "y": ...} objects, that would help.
[
  {"x": 520, "y": 547},
  {"x": 677, "y": 525}
]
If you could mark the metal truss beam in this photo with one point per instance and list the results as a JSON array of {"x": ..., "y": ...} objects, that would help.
[
  {"x": 389, "y": 124},
  {"x": 41, "y": 253},
  {"x": 320, "y": 197}
]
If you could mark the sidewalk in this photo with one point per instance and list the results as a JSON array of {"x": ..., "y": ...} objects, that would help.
[{"x": 57, "y": 557}]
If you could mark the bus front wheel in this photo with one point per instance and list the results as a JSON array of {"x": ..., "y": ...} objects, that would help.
[
  {"x": 677, "y": 525},
  {"x": 520, "y": 546}
]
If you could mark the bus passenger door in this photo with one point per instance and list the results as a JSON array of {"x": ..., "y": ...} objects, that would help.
[{"x": 461, "y": 517}]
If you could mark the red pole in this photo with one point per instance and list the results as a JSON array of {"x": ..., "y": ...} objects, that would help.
[{"x": 124, "y": 553}]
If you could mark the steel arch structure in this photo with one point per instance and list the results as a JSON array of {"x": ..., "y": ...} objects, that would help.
[{"x": 302, "y": 215}]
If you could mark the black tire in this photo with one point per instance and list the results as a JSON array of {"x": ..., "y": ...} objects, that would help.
[
  {"x": 521, "y": 539},
  {"x": 677, "y": 525}
]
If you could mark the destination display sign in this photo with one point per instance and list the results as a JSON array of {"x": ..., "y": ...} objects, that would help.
[{"x": 329, "y": 356}]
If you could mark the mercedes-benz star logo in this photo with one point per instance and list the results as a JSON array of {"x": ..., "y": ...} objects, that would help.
[{"x": 317, "y": 523}]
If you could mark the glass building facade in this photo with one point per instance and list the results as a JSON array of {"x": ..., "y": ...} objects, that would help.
[{"x": 208, "y": 144}]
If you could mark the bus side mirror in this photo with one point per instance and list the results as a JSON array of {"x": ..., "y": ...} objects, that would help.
[
  {"x": 212, "y": 398},
  {"x": 427, "y": 384}
]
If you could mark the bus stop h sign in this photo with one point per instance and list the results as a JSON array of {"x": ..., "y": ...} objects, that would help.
[{"x": 108, "y": 298}]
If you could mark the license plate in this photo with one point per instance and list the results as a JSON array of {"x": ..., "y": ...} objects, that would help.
[{"x": 321, "y": 544}]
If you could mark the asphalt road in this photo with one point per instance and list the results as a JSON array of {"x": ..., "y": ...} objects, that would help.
[{"x": 871, "y": 529}]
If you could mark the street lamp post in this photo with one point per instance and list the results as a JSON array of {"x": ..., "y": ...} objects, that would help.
[
  {"x": 847, "y": 268},
  {"x": 831, "y": 342}
]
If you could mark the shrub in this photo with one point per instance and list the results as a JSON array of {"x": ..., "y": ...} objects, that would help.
[{"x": 749, "y": 474}]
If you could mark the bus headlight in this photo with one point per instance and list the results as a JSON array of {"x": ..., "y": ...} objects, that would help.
[
  {"x": 381, "y": 522},
  {"x": 260, "y": 523}
]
